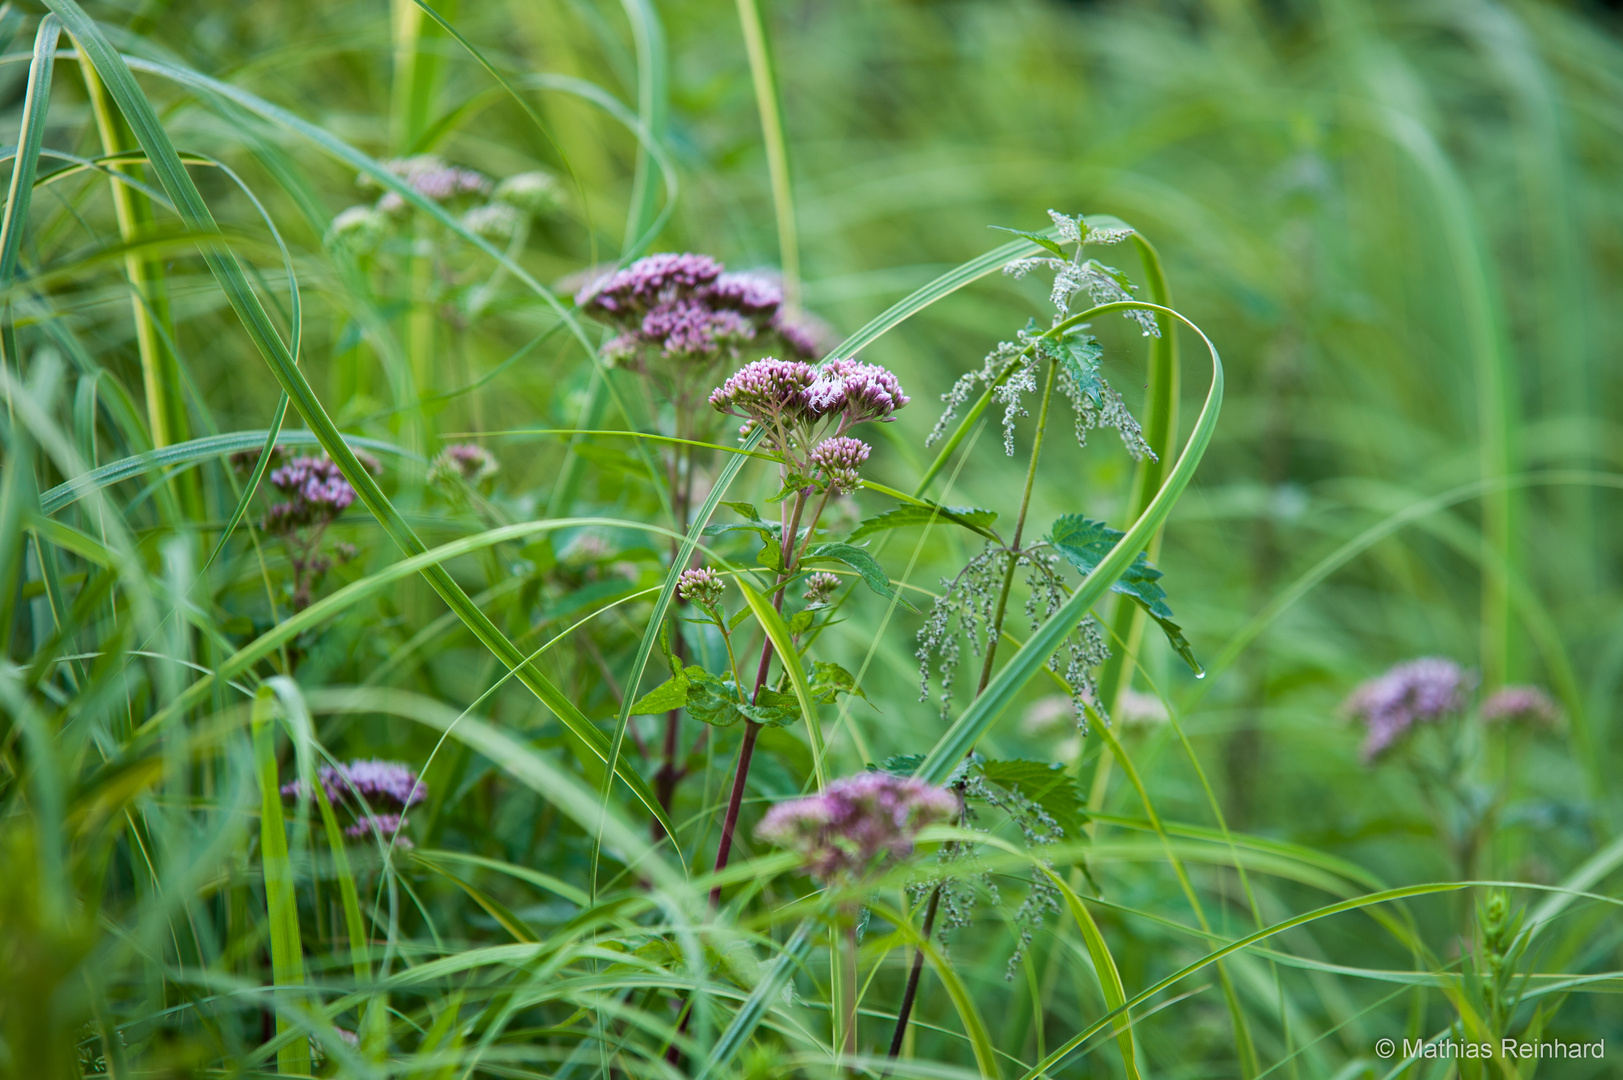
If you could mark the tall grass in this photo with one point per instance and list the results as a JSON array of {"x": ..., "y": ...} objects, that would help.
[{"x": 1393, "y": 221}]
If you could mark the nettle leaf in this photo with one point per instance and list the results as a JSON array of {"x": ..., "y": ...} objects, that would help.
[
  {"x": 668, "y": 695},
  {"x": 792, "y": 484},
  {"x": 1085, "y": 542},
  {"x": 1046, "y": 784},
  {"x": 865, "y": 566},
  {"x": 1036, "y": 238},
  {"x": 772, "y": 708},
  {"x": 711, "y": 699},
  {"x": 899, "y": 764},
  {"x": 970, "y": 517},
  {"x": 1080, "y": 356},
  {"x": 830, "y": 680}
]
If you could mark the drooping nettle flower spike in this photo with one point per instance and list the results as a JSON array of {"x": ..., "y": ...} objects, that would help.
[
  {"x": 857, "y": 824},
  {"x": 1520, "y": 705},
  {"x": 468, "y": 462},
  {"x": 1423, "y": 690},
  {"x": 317, "y": 494},
  {"x": 836, "y": 462},
  {"x": 819, "y": 587},
  {"x": 701, "y": 586},
  {"x": 856, "y": 392}
]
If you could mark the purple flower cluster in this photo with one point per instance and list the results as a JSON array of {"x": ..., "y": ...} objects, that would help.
[
  {"x": 1427, "y": 689},
  {"x": 369, "y": 780},
  {"x": 468, "y": 462},
  {"x": 386, "y": 827},
  {"x": 790, "y": 398},
  {"x": 701, "y": 586},
  {"x": 432, "y": 177},
  {"x": 856, "y": 391},
  {"x": 685, "y": 306},
  {"x": 1520, "y": 704},
  {"x": 819, "y": 587},
  {"x": 837, "y": 461},
  {"x": 858, "y": 823},
  {"x": 316, "y": 491}
]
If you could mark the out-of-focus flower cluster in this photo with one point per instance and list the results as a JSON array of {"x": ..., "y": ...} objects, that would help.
[
  {"x": 857, "y": 824},
  {"x": 376, "y": 792},
  {"x": 1520, "y": 705},
  {"x": 464, "y": 463},
  {"x": 1420, "y": 691},
  {"x": 687, "y": 308},
  {"x": 315, "y": 493},
  {"x": 498, "y": 212}
]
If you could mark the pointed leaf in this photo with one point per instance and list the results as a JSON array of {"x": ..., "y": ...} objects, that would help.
[
  {"x": 863, "y": 563},
  {"x": 970, "y": 517},
  {"x": 1085, "y": 542}
]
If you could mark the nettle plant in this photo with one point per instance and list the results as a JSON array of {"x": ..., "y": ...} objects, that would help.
[{"x": 678, "y": 318}]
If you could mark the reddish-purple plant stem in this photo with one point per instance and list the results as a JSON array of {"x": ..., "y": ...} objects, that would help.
[{"x": 735, "y": 799}]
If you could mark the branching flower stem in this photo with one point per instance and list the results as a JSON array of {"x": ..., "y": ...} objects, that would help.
[
  {"x": 910, "y": 993},
  {"x": 787, "y": 556}
]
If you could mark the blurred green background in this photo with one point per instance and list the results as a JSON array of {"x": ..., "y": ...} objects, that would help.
[{"x": 1399, "y": 222}]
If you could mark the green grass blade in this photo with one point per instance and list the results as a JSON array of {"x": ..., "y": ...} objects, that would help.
[
  {"x": 777, "y": 148},
  {"x": 36, "y": 103},
  {"x": 967, "y": 730},
  {"x": 1104, "y": 967},
  {"x": 287, "y": 953},
  {"x": 766, "y": 992},
  {"x": 776, "y": 629}
]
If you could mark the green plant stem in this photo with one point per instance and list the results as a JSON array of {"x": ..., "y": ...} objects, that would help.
[{"x": 911, "y": 992}]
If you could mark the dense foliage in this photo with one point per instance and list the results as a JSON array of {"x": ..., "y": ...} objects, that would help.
[{"x": 570, "y": 539}]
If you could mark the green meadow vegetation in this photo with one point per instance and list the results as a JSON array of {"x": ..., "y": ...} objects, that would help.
[{"x": 672, "y": 538}]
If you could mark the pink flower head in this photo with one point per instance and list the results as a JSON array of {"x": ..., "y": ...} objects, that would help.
[
  {"x": 756, "y": 294},
  {"x": 701, "y": 585},
  {"x": 385, "y": 827},
  {"x": 1427, "y": 689},
  {"x": 767, "y": 390},
  {"x": 690, "y": 328},
  {"x": 857, "y": 391},
  {"x": 376, "y": 782},
  {"x": 858, "y": 823},
  {"x": 837, "y": 461},
  {"x": 648, "y": 282},
  {"x": 1520, "y": 704},
  {"x": 317, "y": 494},
  {"x": 806, "y": 335},
  {"x": 468, "y": 462}
]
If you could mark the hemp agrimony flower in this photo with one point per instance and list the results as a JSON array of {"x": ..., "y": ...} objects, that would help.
[
  {"x": 858, "y": 824},
  {"x": 1424, "y": 690},
  {"x": 836, "y": 461},
  {"x": 1519, "y": 705},
  {"x": 819, "y": 588},
  {"x": 701, "y": 586},
  {"x": 468, "y": 463}
]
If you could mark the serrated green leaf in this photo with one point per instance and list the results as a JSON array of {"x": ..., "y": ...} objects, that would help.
[
  {"x": 712, "y": 700},
  {"x": 899, "y": 764},
  {"x": 1079, "y": 357},
  {"x": 970, "y": 517},
  {"x": 1035, "y": 238},
  {"x": 865, "y": 566},
  {"x": 1084, "y": 542},
  {"x": 792, "y": 484},
  {"x": 800, "y": 622},
  {"x": 744, "y": 510},
  {"x": 829, "y": 680},
  {"x": 1047, "y": 785},
  {"x": 668, "y": 695}
]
